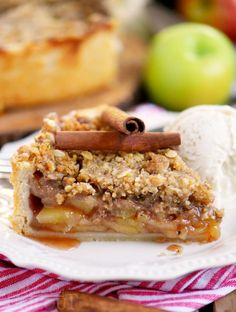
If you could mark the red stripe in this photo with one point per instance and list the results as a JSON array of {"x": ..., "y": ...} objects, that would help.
[
  {"x": 40, "y": 271},
  {"x": 16, "y": 279},
  {"x": 152, "y": 285},
  {"x": 158, "y": 285},
  {"x": 106, "y": 289},
  {"x": 82, "y": 287},
  {"x": 55, "y": 292},
  {"x": 180, "y": 284},
  {"x": 144, "y": 284},
  {"x": 23, "y": 298},
  {"x": 113, "y": 289},
  {"x": 25, "y": 289},
  {"x": 231, "y": 283},
  {"x": 11, "y": 271},
  {"x": 96, "y": 288},
  {"x": 2, "y": 257},
  {"x": 193, "y": 283},
  {"x": 5, "y": 264},
  {"x": 231, "y": 272},
  {"x": 9, "y": 274},
  {"x": 215, "y": 278},
  {"x": 30, "y": 305},
  {"x": 28, "y": 297}
]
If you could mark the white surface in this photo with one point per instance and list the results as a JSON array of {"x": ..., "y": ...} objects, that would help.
[
  {"x": 208, "y": 135},
  {"x": 97, "y": 261}
]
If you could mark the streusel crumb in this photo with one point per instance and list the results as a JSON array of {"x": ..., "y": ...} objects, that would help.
[{"x": 115, "y": 175}]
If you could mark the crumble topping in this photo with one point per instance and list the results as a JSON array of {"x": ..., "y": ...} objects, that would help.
[
  {"x": 114, "y": 175},
  {"x": 23, "y": 22}
]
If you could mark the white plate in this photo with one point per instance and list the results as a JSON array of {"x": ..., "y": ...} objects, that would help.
[{"x": 97, "y": 261}]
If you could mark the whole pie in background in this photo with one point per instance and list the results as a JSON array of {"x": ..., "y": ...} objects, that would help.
[{"x": 55, "y": 50}]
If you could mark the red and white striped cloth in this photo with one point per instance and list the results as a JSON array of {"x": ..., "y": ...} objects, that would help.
[{"x": 36, "y": 290}]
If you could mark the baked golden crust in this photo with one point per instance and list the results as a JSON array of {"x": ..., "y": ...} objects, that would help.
[
  {"x": 47, "y": 56},
  {"x": 153, "y": 194},
  {"x": 20, "y": 219}
]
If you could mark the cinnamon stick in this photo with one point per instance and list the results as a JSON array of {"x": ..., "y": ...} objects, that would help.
[
  {"x": 115, "y": 141},
  {"x": 121, "y": 121},
  {"x": 70, "y": 301}
]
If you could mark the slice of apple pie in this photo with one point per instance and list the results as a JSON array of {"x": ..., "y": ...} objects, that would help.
[{"x": 94, "y": 195}]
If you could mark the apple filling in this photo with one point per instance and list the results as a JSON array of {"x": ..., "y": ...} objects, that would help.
[{"x": 130, "y": 215}]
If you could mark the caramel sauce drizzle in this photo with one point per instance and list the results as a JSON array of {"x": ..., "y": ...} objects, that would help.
[{"x": 62, "y": 243}]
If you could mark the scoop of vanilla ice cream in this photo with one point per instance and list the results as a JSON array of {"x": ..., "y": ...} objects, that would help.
[{"x": 208, "y": 135}]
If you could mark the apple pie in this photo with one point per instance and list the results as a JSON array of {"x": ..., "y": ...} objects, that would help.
[
  {"x": 98, "y": 195},
  {"x": 55, "y": 50}
]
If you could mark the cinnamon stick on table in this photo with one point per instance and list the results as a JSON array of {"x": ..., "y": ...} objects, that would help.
[
  {"x": 74, "y": 301},
  {"x": 115, "y": 141},
  {"x": 121, "y": 121}
]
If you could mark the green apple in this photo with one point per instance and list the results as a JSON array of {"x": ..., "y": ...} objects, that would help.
[{"x": 189, "y": 64}]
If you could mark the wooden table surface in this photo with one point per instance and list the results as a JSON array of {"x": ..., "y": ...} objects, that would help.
[{"x": 225, "y": 304}]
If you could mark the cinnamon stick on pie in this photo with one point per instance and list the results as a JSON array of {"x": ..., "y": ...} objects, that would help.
[
  {"x": 115, "y": 141},
  {"x": 121, "y": 121},
  {"x": 88, "y": 193}
]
